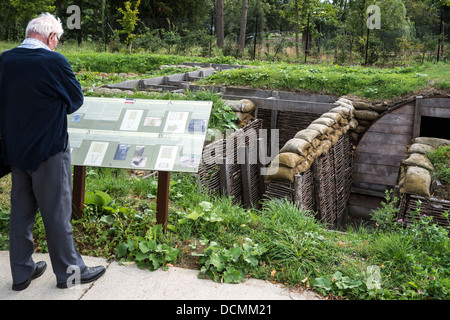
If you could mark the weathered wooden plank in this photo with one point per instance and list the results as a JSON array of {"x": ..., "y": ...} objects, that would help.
[
  {"x": 435, "y": 112},
  {"x": 388, "y": 138},
  {"x": 389, "y": 128},
  {"x": 405, "y": 109},
  {"x": 436, "y": 102},
  {"x": 403, "y": 119},
  {"x": 382, "y": 159},
  {"x": 376, "y": 169},
  {"x": 376, "y": 179},
  {"x": 382, "y": 148},
  {"x": 364, "y": 200},
  {"x": 289, "y": 105}
]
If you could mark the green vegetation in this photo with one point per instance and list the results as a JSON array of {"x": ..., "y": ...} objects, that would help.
[
  {"x": 440, "y": 158},
  {"x": 279, "y": 242},
  {"x": 368, "y": 82}
]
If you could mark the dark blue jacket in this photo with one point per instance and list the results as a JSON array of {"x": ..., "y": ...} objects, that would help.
[{"x": 38, "y": 89}]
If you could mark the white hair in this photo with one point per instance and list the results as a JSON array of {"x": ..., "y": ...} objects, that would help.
[{"x": 45, "y": 25}]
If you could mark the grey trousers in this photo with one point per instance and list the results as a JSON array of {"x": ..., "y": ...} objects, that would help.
[{"x": 49, "y": 190}]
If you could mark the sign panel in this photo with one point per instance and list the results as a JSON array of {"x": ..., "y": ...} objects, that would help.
[{"x": 139, "y": 134}]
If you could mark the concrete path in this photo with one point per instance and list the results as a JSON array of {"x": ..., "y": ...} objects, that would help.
[{"x": 122, "y": 282}]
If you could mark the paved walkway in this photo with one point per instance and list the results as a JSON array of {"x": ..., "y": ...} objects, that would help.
[{"x": 122, "y": 282}]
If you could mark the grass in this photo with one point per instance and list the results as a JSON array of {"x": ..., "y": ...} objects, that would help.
[
  {"x": 367, "y": 82},
  {"x": 440, "y": 159},
  {"x": 279, "y": 242}
]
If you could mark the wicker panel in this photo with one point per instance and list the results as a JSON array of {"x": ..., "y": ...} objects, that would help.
[
  {"x": 325, "y": 188},
  {"x": 209, "y": 169},
  {"x": 343, "y": 173},
  {"x": 431, "y": 207}
]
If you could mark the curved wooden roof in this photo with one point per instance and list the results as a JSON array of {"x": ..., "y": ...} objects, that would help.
[{"x": 384, "y": 143}]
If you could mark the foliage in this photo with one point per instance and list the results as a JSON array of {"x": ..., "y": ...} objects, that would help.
[
  {"x": 385, "y": 215},
  {"x": 129, "y": 21},
  {"x": 288, "y": 245},
  {"x": 440, "y": 158},
  {"x": 230, "y": 265},
  {"x": 148, "y": 253},
  {"x": 367, "y": 82}
]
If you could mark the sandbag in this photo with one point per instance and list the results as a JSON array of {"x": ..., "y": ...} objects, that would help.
[
  {"x": 326, "y": 145},
  {"x": 343, "y": 122},
  {"x": 316, "y": 152},
  {"x": 287, "y": 159},
  {"x": 304, "y": 166},
  {"x": 353, "y": 123},
  {"x": 361, "y": 105},
  {"x": 326, "y": 121},
  {"x": 243, "y": 105},
  {"x": 247, "y": 105},
  {"x": 343, "y": 111},
  {"x": 344, "y": 100},
  {"x": 333, "y": 115},
  {"x": 349, "y": 106},
  {"x": 418, "y": 160},
  {"x": 366, "y": 115},
  {"x": 298, "y": 146},
  {"x": 417, "y": 181},
  {"x": 420, "y": 148},
  {"x": 434, "y": 142},
  {"x": 307, "y": 134},
  {"x": 281, "y": 173},
  {"x": 323, "y": 129},
  {"x": 334, "y": 137}
]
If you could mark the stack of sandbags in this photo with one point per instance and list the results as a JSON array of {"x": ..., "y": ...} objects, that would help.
[
  {"x": 365, "y": 113},
  {"x": 244, "y": 109},
  {"x": 415, "y": 171},
  {"x": 298, "y": 154}
]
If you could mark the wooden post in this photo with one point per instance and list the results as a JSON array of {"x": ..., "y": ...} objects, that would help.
[
  {"x": 162, "y": 202},
  {"x": 79, "y": 185},
  {"x": 246, "y": 179},
  {"x": 417, "y": 116},
  {"x": 225, "y": 184},
  {"x": 262, "y": 162}
]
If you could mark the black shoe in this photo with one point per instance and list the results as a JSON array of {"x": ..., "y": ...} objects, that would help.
[
  {"x": 40, "y": 268},
  {"x": 89, "y": 274}
]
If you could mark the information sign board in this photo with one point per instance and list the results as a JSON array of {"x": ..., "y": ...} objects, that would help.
[{"x": 141, "y": 134}]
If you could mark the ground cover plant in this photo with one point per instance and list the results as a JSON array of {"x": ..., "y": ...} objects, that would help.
[
  {"x": 279, "y": 242},
  {"x": 440, "y": 158}
]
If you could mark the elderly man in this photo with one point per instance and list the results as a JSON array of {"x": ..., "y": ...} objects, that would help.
[{"x": 38, "y": 89}]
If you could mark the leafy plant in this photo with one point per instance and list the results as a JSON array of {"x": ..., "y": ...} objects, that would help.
[
  {"x": 338, "y": 283},
  {"x": 147, "y": 253},
  {"x": 230, "y": 265}
]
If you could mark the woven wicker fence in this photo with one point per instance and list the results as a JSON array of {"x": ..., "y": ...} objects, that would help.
[
  {"x": 431, "y": 207},
  {"x": 324, "y": 188},
  {"x": 223, "y": 170}
]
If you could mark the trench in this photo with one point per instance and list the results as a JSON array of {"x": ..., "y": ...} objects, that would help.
[{"x": 359, "y": 184}]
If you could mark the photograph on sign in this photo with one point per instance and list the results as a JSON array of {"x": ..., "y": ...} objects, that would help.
[{"x": 96, "y": 154}]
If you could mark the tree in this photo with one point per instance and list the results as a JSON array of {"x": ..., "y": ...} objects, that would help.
[
  {"x": 220, "y": 34},
  {"x": 27, "y": 10},
  {"x": 243, "y": 30},
  {"x": 129, "y": 21}
]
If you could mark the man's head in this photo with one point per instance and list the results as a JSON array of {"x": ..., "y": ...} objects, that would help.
[{"x": 46, "y": 28}]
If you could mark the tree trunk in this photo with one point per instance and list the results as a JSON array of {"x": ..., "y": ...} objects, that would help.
[
  {"x": 441, "y": 37},
  {"x": 219, "y": 24},
  {"x": 297, "y": 51},
  {"x": 243, "y": 25}
]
